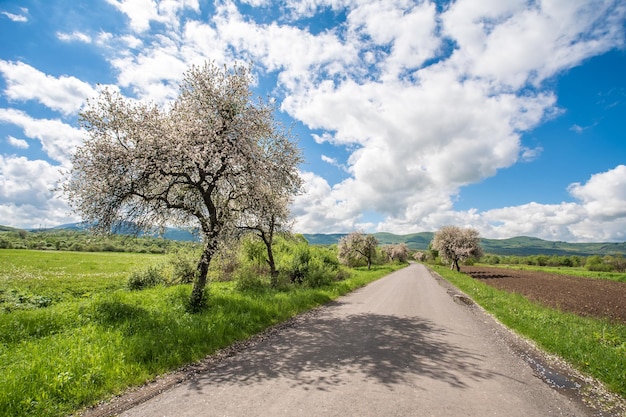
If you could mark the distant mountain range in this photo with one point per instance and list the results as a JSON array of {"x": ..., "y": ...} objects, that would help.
[
  {"x": 171, "y": 233},
  {"x": 521, "y": 245}
]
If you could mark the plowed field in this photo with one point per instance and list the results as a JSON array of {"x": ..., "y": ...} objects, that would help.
[{"x": 583, "y": 296}]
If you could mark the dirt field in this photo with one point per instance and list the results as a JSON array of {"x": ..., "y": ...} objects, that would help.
[{"x": 584, "y": 296}]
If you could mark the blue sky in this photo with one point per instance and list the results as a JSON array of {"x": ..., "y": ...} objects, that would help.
[{"x": 504, "y": 115}]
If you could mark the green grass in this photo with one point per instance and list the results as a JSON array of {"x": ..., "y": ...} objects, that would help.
[
  {"x": 562, "y": 270},
  {"x": 28, "y": 275},
  {"x": 594, "y": 346},
  {"x": 82, "y": 349}
]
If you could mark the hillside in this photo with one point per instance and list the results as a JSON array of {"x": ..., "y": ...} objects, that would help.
[
  {"x": 521, "y": 245},
  {"x": 170, "y": 233}
]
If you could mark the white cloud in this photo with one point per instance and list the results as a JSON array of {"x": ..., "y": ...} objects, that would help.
[
  {"x": 154, "y": 74},
  {"x": 319, "y": 211},
  {"x": 530, "y": 154},
  {"x": 257, "y": 3},
  {"x": 409, "y": 31},
  {"x": 142, "y": 12},
  {"x": 65, "y": 94},
  {"x": 16, "y": 17},
  {"x": 417, "y": 142},
  {"x": 281, "y": 48},
  {"x": 57, "y": 139},
  {"x": 26, "y": 196},
  {"x": 425, "y": 103},
  {"x": 17, "y": 143},
  {"x": 604, "y": 195},
  {"x": 515, "y": 42},
  {"x": 577, "y": 129},
  {"x": 599, "y": 214},
  {"x": 74, "y": 36},
  {"x": 334, "y": 162},
  {"x": 25, "y": 181}
]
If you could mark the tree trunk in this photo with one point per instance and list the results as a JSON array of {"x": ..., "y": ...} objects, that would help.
[
  {"x": 197, "y": 293},
  {"x": 272, "y": 263},
  {"x": 455, "y": 265}
]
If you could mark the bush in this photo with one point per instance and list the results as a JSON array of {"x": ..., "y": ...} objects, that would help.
[
  {"x": 149, "y": 277},
  {"x": 184, "y": 266},
  {"x": 249, "y": 279},
  {"x": 597, "y": 263},
  {"x": 319, "y": 274}
]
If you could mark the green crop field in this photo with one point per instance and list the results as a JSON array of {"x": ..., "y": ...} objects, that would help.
[{"x": 72, "y": 334}]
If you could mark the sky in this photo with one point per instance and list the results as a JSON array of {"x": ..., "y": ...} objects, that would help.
[{"x": 507, "y": 116}]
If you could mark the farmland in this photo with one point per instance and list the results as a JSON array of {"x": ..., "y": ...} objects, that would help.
[{"x": 583, "y": 296}]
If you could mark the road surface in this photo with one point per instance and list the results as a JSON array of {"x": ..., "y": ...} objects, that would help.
[{"x": 401, "y": 346}]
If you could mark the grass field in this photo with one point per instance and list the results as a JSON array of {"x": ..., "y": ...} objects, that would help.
[
  {"x": 596, "y": 347},
  {"x": 28, "y": 276},
  {"x": 71, "y": 334}
]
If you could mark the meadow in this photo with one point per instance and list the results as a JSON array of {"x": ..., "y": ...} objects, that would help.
[{"x": 73, "y": 334}]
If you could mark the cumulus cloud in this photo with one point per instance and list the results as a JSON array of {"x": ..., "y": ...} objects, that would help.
[
  {"x": 419, "y": 136},
  {"x": 58, "y": 139},
  {"x": 16, "y": 17},
  {"x": 142, "y": 12},
  {"x": 74, "y": 36},
  {"x": 604, "y": 195},
  {"x": 598, "y": 215},
  {"x": 530, "y": 154},
  {"x": 17, "y": 143},
  {"x": 65, "y": 94},
  {"x": 516, "y": 42},
  {"x": 425, "y": 100},
  {"x": 26, "y": 196}
]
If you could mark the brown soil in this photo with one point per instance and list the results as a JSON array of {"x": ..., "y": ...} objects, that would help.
[{"x": 583, "y": 296}]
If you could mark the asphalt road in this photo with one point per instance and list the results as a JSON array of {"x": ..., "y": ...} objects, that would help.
[{"x": 399, "y": 347}]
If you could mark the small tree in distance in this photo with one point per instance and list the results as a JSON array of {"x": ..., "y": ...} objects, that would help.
[
  {"x": 357, "y": 245},
  {"x": 398, "y": 252},
  {"x": 198, "y": 163},
  {"x": 456, "y": 244}
]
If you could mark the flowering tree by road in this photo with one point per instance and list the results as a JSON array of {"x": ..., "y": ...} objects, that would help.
[
  {"x": 456, "y": 244},
  {"x": 204, "y": 162},
  {"x": 357, "y": 245}
]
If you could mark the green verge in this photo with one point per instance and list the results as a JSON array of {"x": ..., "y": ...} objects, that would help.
[
  {"x": 596, "y": 347},
  {"x": 76, "y": 352}
]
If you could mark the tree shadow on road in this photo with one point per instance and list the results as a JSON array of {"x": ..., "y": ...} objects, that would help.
[{"x": 325, "y": 351}]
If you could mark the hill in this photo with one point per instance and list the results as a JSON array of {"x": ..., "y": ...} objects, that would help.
[
  {"x": 521, "y": 245},
  {"x": 170, "y": 233}
]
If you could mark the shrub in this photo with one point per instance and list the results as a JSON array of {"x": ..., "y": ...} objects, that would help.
[
  {"x": 319, "y": 273},
  {"x": 146, "y": 278},
  {"x": 597, "y": 263},
  {"x": 249, "y": 279},
  {"x": 184, "y": 266}
]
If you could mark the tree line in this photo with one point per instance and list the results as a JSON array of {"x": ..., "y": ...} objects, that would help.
[
  {"x": 456, "y": 245},
  {"x": 82, "y": 241}
]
